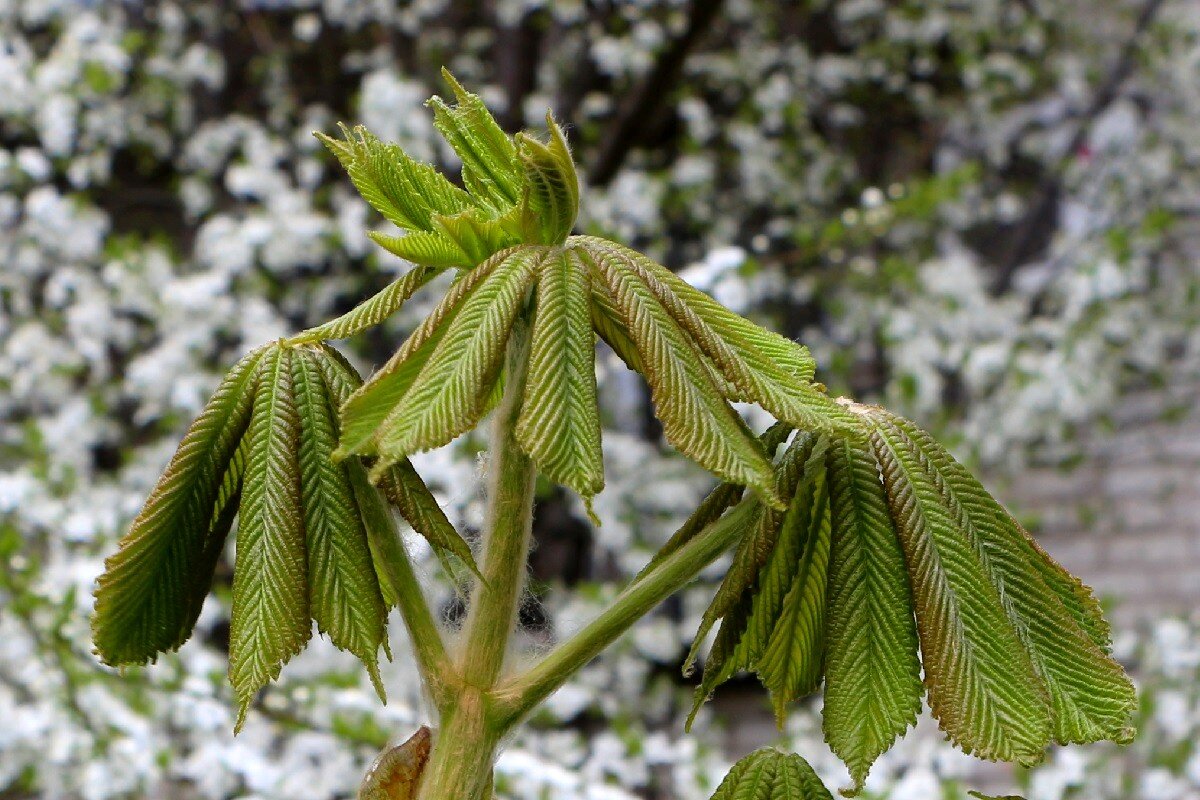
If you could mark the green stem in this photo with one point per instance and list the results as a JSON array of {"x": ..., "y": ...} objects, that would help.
[
  {"x": 432, "y": 659},
  {"x": 460, "y": 764},
  {"x": 493, "y": 610},
  {"x": 521, "y": 695},
  {"x": 464, "y": 751}
]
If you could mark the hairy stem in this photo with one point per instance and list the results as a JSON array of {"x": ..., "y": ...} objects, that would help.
[
  {"x": 520, "y": 696},
  {"x": 432, "y": 660},
  {"x": 494, "y": 602},
  {"x": 460, "y": 764}
]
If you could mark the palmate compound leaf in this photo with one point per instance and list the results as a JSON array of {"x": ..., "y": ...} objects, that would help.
[
  {"x": 559, "y": 424},
  {"x": 872, "y": 673},
  {"x": 150, "y": 594},
  {"x": 453, "y": 389},
  {"x": 769, "y": 774},
  {"x": 697, "y": 419},
  {"x": 783, "y": 550},
  {"x": 982, "y": 686},
  {"x": 446, "y": 226},
  {"x": 401, "y": 485},
  {"x": 344, "y": 594},
  {"x": 270, "y": 618},
  {"x": 1091, "y": 698}
]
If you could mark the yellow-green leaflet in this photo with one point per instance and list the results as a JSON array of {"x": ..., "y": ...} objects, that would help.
[
  {"x": 430, "y": 249},
  {"x": 344, "y": 593},
  {"x": 270, "y": 618},
  {"x": 406, "y": 192},
  {"x": 872, "y": 674},
  {"x": 769, "y": 774},
  {"x": 760, "y": 366},
  {"x": 551, "y": 199},
  {"x": 697, "y": 420},
  {"x": 373, "y": 310},
  {"x": 364, "y": 411},
  {"x": 491, "y": 171},
  {"x": 450, "y": 393},
  {"x": 750, "y": 598},
  {"x": 401, "y": 484},
  {"x": 792, "y": 664},
  {"x": 405, "y": 490},
  {"x": 559, "y": 425},
  {"x": 607, "y": 322},
  {"x": 982, "y": 685},
  {"x": 1091, "y": 698},
  {"x": 150, "y": 594}
]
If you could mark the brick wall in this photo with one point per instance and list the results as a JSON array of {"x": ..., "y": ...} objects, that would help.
[{"x": 1126, "y": 518}]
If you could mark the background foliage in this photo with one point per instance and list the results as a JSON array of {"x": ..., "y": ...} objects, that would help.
[{"x": 981, "y": 213}]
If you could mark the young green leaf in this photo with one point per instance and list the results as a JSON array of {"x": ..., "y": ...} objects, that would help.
[
  {"x": 559, "y": 425},
  {"x": 606, "y": 321},
  {"x": 983, "y": 688},
  {"x": 754, "y": 549},
  {"x": 150, "y": 594},
  {"x": 552, "y": 187},
  {"x": 491, "y": 171},
  {"x": 696, "y": 419},
  {"x": 756, "y": 583},
  {"x": 270, "y": 618},
  {"x": 382, "y": 537},
  {"x": 344, "y": 593},
  {"x": 364, "y": 411},
  {"x": 428, "y": 249},
  {"x": 401, "y": 485},
  {"x": 792, "y": 664},
  {"x": 872, "y": 673},
  {"x": 404, "y": 489},
  {"x": 1090, "y": 696},
  {"x": 768, "y": 774},
  {"x": 477, "y": 236},
  {"x": 371, "y": 311},
  {"x": 1078, "y": 598},
  {"x": 784, "y": 563},
  {"x": 452, "y": 390},
  {"x": 406, "y": 192},
  {"x": 760, "y": 366}
]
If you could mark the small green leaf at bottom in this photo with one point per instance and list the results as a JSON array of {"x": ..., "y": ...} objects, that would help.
[{"x": 769, "y": 774}]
